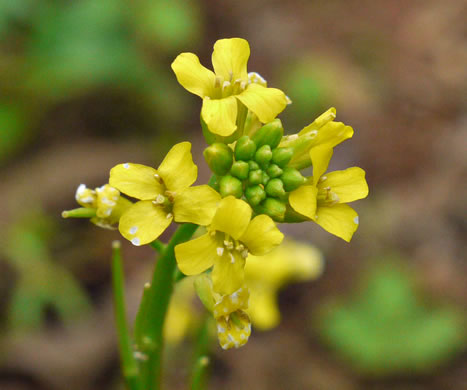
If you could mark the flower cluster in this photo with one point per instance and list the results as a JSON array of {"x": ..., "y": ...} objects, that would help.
[{"x": 258, "y": 182}]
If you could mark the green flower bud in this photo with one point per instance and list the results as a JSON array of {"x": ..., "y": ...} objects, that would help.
[
  {"x": 240, "y": 169},
  {"x": 274, "y": 170},
  {"x": 255, "y": 177},
  {"x": 253, "y": 165},
  {"x": 270, "y": 134},
  {"x": 274, "y": 208},
  {"x": 265, "y": 178},
  {"x": 219, "y": 158},
  {"x": 255, "y": 195},
  {"x": 282, "y": 156},
  {"x": 245, "y": 148},
  {"x": 263, "y": 155},
  {"x": 292, "y": 179},
  {"x": 275, "y": 188},
  {"x": 229, "y": 185}
]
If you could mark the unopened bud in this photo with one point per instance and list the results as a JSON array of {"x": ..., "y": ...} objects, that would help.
[
  {"x": 245, "y": 148},
  {"x": 255, "y": 177},
  {"x": 281, "y": 156},
  {"x": 240, "y": 170},
  {"x": 229, "y": 185},
  {"x": 255, "y": 195},
  {"x": 263, "y": 155},
  {"x": 274, "y": 208},
  {"x": 253, "y": 165},
  {"x": 270, "y": 134},
  {"x": 274, "y": 170},
  {"x": 275, "y": 188},
  {"x": 219, "y": 158},
  {"x": 292, "y": 179},
  {"x": 265, "y": 178}
]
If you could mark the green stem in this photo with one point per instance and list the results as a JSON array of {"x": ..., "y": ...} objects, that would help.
[
  {"x": 150, "y": 339},
  {"x": 129, "y": 364},
  {"x": 81, "y": 212},
  {"x": 153, "y": 309},
  {"x": 200, "y": 358},
  {"x": 158, "y": 246}
]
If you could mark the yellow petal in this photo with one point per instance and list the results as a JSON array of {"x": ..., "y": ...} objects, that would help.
[
  {"x": 228, "y": 273},
  {"x": 320, "y": 157},
  {"x": 230, "y": 58},
  {"x": 263, "y": 308},
  {"x": 144, "y": 222},
  {"x": 193, "y": 76},
  {"x": 261, "y": 235},
  {"x": 232, "y": 217},
  {"x": 348, "y": 185},
  {"x": 196, "y": 205},
  {"x": 220, "y": 115},
  {"x": 136, "y": 180},
  {"x": 196, "y": 256},
  {"x": 303, "y": 200},
  {"x": 178, "y": 169},
  {"x": 266, "y": 103},
  {"x": 339, "y": 219},
  {"x": 319, "y": 122}
]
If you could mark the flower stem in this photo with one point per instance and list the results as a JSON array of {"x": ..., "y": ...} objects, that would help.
[
  {"x": 129, "y": 364},
  {"x": 158, "y": 246},
  {"x": 200, "y": 358},
  {"x": 152, "y": 314}
]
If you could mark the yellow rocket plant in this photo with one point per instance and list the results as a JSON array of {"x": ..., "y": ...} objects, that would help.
[{"x": 258, "y": 182}]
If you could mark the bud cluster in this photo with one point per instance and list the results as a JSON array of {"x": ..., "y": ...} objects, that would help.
[{"x": 256, "y": 170}]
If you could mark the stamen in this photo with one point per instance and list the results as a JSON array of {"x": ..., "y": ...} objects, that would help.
[{"x": 220, "y": 251}]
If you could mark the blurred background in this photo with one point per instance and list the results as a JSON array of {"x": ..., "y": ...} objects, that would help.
[{"x": 87, "y": 84}]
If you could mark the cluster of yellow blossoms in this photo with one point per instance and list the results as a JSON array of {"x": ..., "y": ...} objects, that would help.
[{"x": 257, "y": 183}]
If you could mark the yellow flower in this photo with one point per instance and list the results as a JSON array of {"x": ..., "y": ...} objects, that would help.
[
  {"x": 266, "y": 275},
  {"x": 323, "y": 131},
  {"x": 107, "y": 202},
  {"x": 230, "y": 237},
  {"x": 165, "y": 195},
  {"x": 324, "y": 198},
  {"x": 233, "y": 323},
  {"x": 229, "y": 86}
]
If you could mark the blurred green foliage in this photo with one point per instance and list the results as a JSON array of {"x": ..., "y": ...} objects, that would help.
[
  {"x": 386, "y": 328},
  {"x": 309, "y": 87},
  {"x": 41, "y": 283},
  {"x": 60, "y": 50}
]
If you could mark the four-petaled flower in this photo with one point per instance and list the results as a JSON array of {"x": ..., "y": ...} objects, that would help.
[
  {"x": 231, "y": 236},
  {"x": 165, "y": 195},
  {"x": 323, "y": 199},
  {"x": 229, "y": 86}
]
